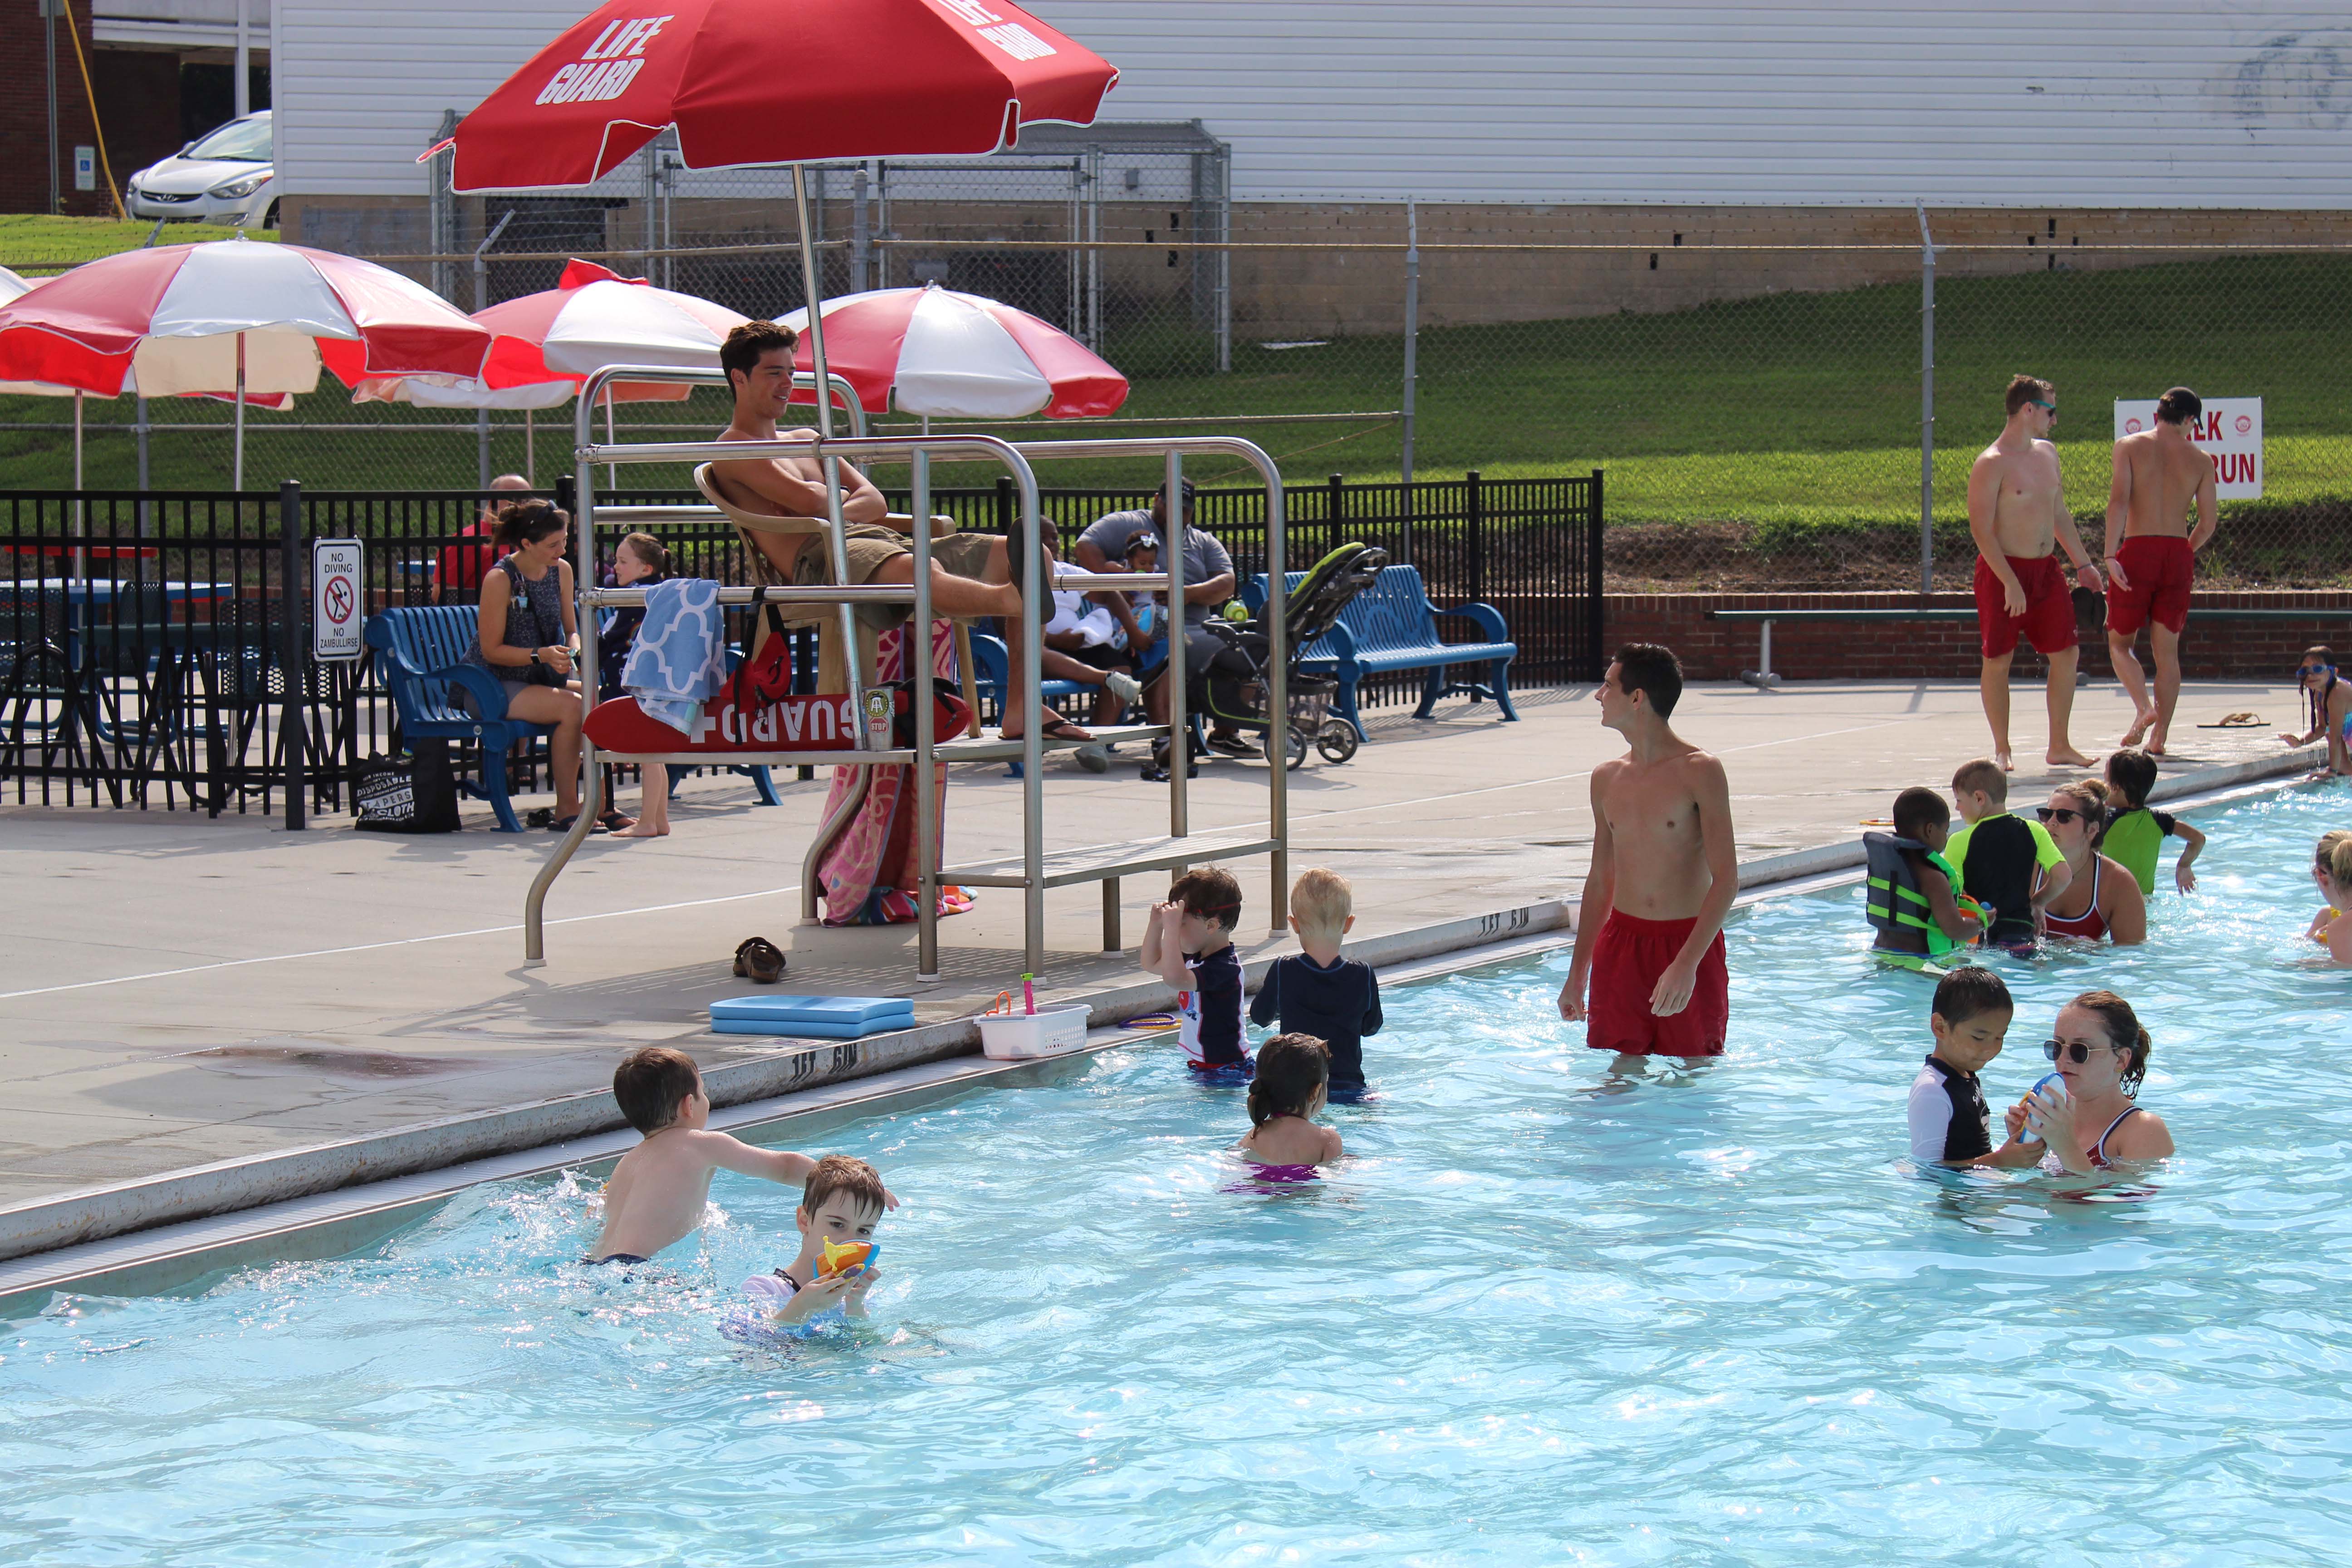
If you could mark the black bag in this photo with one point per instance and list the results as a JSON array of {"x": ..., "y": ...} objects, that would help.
[{"x": 413, "y": 793}]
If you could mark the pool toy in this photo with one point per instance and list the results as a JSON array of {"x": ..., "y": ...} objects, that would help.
[
  {"x": 2033, "y": 1132},
  {"x": 847, "y": 1258},
  {"x": 824, "y": 1018}
]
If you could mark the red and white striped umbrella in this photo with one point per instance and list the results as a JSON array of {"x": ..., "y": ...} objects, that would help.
[
  {"x": 959, "y": 356},
  {"x": 548, "y": 343},
  {"x": 232, "y": 316}
]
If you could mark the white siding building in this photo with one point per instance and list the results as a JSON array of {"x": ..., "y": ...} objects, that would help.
[{"x": 2080, "y": 104}]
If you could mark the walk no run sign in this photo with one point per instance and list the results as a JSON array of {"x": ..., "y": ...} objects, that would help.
[
  {"x": 2230, "y": 429},
  {"x": 335, "y": 579}
]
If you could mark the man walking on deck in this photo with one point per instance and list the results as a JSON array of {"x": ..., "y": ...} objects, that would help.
[
  {"x": 2018, "y": 516},
  {"x": 2151, "y": 556},
  {"x": 1649, "y": 933}
]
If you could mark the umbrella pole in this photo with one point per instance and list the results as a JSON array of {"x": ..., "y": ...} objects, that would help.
[
  {"x": 530, "y": 450},
  {"x": 81, "y": 515},
  {"x": 237, "y": 457},
  {"x": 848, "y": 613}
]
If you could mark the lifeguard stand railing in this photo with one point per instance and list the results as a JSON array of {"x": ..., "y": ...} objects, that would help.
[{"x": 1038, "y": 866}]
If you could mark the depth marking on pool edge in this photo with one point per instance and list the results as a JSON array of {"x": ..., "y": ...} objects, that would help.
[{"x": 795, "y": 887}]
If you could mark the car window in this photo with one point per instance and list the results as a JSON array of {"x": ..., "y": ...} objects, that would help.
[{"x": 239, "y": 141}]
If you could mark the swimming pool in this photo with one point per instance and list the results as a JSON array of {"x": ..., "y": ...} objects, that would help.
[{"x": 1543, "y": 1315}]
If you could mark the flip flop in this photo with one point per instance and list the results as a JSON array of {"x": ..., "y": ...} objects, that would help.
[
  {"x": 563, "y": 824},
  {"x": 759, "y": 960},
  {"x": 614, "y": 822},
  {"x": 1057, "y": 728},
  {"x": 2236, "y": 721}
]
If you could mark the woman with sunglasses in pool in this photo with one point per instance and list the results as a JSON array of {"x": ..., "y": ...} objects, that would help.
[
  {"x": 2331, "y": 707},
  {"x": 2103, "y": 898},
  {"x": 2101, "y": 1052}
]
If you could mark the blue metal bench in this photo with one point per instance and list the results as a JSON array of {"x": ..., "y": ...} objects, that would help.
[
  {"x": 421, "y": 658},
  {"x": 1392, "y": 625}
]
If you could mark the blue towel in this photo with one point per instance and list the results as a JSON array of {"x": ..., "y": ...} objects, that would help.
[{"x": 679, "y": 659}]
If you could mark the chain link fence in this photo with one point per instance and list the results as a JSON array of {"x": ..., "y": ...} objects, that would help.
[{"x": 1753, "y": 393}]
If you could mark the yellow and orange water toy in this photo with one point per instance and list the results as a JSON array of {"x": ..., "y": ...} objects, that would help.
[{"x": 847, "y": 1258}]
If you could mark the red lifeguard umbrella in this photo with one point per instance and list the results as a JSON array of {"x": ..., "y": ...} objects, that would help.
[{"x": 777, "y": 81}]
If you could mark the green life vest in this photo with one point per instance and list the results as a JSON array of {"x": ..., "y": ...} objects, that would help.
[
  {"x": 1896, "y": 900},
  {"x": 2132, "y": 840}
]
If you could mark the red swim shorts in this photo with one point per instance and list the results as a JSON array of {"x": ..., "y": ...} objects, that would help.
[
  {"x": 2049, "y": 619},
  {"x": 1627, "y": 959},
  {"x": 2160, "y": 571}
]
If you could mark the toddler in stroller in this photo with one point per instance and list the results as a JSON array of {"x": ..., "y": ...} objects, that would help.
[{"x": 1234, "y": 687}]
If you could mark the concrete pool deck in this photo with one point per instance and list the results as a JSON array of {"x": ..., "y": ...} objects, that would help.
[{"x": 176, "y": 993}]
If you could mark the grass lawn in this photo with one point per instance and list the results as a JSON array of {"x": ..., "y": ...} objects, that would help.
[
  {"x": 1790, "y": 409},
  {"x": 38, "y": 244}
]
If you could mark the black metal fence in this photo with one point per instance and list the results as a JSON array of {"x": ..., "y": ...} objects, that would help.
[{"x": 144, "y": 643}]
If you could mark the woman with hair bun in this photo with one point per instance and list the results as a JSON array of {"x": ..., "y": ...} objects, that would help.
[
  {"x": 526, "y": 636},
  {"x": 2097, "y": 1123}
]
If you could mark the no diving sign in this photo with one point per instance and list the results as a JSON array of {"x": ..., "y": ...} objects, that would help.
[
  {"x": 336, "y": 576},
  {"x": 2230, "y": 429}
]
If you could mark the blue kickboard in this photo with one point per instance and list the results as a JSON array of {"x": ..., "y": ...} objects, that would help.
[
  {"x": 810, "y": 1027},
  {"x": 855, "y": 1015}
]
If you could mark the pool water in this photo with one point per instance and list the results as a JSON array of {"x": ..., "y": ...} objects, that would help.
[{"x": 1542, "y": 1314}]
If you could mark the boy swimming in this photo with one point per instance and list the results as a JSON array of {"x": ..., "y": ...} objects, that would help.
[
  {"x": 1951, "y": 1122},
  {"x": 833, "y": 1270},
  {"x": 656, "y": 1195},
  {"x": 1912, "y": 889},
  {"x": 2000, "y": 855}
]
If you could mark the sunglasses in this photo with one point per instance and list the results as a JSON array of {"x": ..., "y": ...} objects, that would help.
[
  {"x": 2057, "y": 813},
  {"x": 2075, "y": 1051},
  {"x": 2051, "y": 408}
]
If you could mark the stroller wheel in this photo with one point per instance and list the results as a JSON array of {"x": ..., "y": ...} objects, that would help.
[
  {"x": 1337, "y": 740},
  {"x": 1294, "y": 740}
]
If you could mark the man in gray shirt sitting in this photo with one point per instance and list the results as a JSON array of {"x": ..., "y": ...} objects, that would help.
[{"x": 1208, "y": 583}]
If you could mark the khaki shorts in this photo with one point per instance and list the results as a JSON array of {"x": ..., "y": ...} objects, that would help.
[{"x": 871, "y": 546}]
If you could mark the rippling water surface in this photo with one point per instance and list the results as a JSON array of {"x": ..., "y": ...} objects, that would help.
[{"x": 1543, "y": 1314}]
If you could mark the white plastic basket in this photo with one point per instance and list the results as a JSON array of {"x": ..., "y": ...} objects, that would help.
[{"x": 1046, "y": 1032}]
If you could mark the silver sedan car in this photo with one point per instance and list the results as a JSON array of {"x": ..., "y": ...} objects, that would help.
[{"x": 224, "y": 176}]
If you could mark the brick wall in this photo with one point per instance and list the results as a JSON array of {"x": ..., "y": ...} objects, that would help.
[
  {"x": 139, "y": 97},
  {"x": 23, "y": 112},
  {"x": 1947, "y": 650}
]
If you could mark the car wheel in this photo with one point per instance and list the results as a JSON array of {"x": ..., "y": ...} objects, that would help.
[{"x": 269, "y": 219}]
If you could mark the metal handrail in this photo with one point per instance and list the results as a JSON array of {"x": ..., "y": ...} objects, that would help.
[{"x": 919, "y": 451}]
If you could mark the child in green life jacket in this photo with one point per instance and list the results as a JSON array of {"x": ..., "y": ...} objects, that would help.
[
  {"x": 1915, "y": 899},
  {"x": 2134, "y": 834}
]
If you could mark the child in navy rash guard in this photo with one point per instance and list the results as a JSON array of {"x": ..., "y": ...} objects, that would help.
[
  {"x": 1316, "y": 992},
  {"x": 1188, "y": 942}
]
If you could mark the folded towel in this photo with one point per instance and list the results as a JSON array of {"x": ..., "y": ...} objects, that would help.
[{"x": 679, "y": 658}]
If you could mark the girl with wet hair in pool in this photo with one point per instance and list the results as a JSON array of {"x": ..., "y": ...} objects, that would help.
[
  {"x": 2100, "y": 1051},
  {"x": 1294, "y": 1077},
  {"x": 2331, "y": 868},
  {"x": 2328, "y": 698},
  {"x": 2101, "y": 898}
]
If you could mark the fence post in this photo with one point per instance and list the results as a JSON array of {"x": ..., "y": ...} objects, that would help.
[
  {"x": 1926, "y": 405},
  {"x": 481, "y": 302},
  {"x": 1411, "y": 331},
  {"x": 1596, "y": 634},
  {"x": 1335, "y": 503},
  {"x": 293, "y": 715},
  {"x": 146, "y": 517},
  {"x": 1004, "y": 504},
  {"x": 441, "y": 206},
  {"x": 860, "y": 241},
  {"x": 1476, "y": 534}
]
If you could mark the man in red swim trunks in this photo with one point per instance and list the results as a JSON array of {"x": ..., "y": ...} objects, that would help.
[
  {"x": 2151, "y": 556},
  {"x": 2017, "y": 512},
  {"x": 1649, "y": 934}
]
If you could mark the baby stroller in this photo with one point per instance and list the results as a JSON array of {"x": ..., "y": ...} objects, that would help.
[{"x": 1232, "y": 689}]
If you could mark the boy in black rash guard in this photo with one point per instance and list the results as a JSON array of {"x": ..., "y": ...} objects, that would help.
[
  {"x": 2007, "y": 864},
  {"x": 1951, "y": 1124},
  {"x": 1189, "y": 942},
  {"x": 1317, "y": 992}
]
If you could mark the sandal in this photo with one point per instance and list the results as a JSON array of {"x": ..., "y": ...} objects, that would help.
[
  {"x": 2236, "y": 721},
  {"x": 759, "y": 960},
  {"x": 563, "y": 824},
  {"x": 612, "y": 821},
  {"x": 1056, "y": 729}
]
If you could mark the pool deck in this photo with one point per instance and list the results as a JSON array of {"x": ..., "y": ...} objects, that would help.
[{"x": 206, "y": 998}]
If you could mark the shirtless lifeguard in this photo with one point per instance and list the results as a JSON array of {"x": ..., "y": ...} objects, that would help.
[
  {"x": 2151, "y": 556},
  {"x": 2017, "y": 514},
  {"x": 971, "y": 573},
  {"x": 1649, "y": 934}
]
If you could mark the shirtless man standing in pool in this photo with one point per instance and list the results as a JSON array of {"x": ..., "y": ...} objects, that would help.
[
  {"x": 2017, "y": 512},
  {"x": 1649, "y": 934},
  {"x": 2151, "y": 554}
]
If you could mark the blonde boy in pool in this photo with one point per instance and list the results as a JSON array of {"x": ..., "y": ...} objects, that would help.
[{"x": 1649, "y": 933}]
